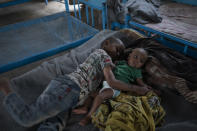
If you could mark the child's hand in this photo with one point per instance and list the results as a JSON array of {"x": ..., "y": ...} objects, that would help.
[
  {"x": 142, "y": 90},
  {"x": 149, "y": 87},
  {"x": 156, "y": 91}
]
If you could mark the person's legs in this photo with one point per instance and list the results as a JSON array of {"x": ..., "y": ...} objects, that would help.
[
  {"x": 105, "y": 94},
  {"x": 86, "y": 105},
  {"x": 61, "y": 94},
  {"x": 84, "y": 108}
]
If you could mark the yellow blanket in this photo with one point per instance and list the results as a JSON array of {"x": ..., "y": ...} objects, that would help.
[{"x": 130, "y": 113}]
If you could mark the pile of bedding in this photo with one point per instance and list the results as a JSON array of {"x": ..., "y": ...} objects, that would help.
[
  {"x": 180, "y": 114},
  {"x": 141, "y": 11}
]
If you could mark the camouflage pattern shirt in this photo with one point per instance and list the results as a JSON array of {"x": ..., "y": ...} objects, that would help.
[{"x": 89, "y": 74}]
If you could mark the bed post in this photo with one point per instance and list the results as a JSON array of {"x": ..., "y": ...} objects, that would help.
[{"x": 67, "y": 6}]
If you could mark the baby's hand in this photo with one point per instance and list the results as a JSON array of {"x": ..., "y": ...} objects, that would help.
[
  {"x": 142, "y": 90},
  {"x": 149, "y": 87}
]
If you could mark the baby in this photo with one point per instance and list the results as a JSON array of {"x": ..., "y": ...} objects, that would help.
[{"x": 127, "y": 72}]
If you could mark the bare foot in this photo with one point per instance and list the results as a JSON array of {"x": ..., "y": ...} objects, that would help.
[
  {"x": 4, "y": 86},
  {"x": 82, "y": 110},
  {"x": 85, "y": 121}
]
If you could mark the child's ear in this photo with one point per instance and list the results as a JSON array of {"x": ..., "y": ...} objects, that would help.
[{"x": 107, "y": 42}]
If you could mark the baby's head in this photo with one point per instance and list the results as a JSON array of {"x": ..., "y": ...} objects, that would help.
[
  {"x": 114, "y": 47},
  {"x": 137, "y": 57}
]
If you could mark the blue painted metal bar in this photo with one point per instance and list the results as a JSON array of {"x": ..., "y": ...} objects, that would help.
[
  {"x": 74, "y": 8},
  {"x": 96, "y": 4},
  {"x": 92, "y": 14},
  {"x": 127, "y": 18},
  {"x": 161, "y": 38},
  {"x": 46, "y": 1},
  {"x": 171, "y": 44},
  {"x": 87, "y": 14},
  {"x": 31, "y": 22},
  {"x": 42, "y": 55},
  {"x": 149, "y": 34},
  {"x": 116, "y": 24},
  {"x": 11, "y": 3},
  {"x": 106, "y": 16},
  {"x": 67, "y": 6},
  {"x": 103, "y": 16},
  {"x": 185, "y": 49},
  {"x": 79, "y": 10},
  {"x": 164, "y": 34},
  {"x": 190, "y": 2}
]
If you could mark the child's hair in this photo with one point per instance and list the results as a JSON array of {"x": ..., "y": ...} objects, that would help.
[{"x": 111, "y": 40}]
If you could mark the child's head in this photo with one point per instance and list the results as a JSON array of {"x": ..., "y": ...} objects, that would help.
[
  {"x": 114, "y": 47},
  {"x": 137, "y": 57}
]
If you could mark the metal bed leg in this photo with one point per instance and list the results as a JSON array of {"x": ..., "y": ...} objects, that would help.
[
  {"x": 87, "y": 14},
  {"x": 67, "y": 6},
  {"x": 92, "y": 14},
  {"x": 46, "y": 2},
  {"x": 103, "y": 17},
  {"x": 185, "y": 50}
]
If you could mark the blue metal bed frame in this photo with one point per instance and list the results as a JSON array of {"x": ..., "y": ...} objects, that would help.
[
  {"x": 99, "y": 5},
  {"x": 181, "y": 45},
  {"x": 186, "y": 47},
  {"x": 93, "y": 5},
  {"x": 35, "y": 57}
]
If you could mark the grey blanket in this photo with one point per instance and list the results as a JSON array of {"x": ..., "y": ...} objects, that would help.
[
  {"x": 180, "y": 114},
  {"x": 141, "y": 11}
]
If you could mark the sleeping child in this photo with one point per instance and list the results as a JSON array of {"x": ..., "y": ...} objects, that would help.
[{"x": 127, "y": 72}]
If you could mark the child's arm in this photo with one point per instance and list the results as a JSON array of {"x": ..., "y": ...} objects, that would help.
[{"x": 119, "y": 85}]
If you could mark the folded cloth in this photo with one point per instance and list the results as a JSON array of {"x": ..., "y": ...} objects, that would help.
[{"x": 141, "y": 11}]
